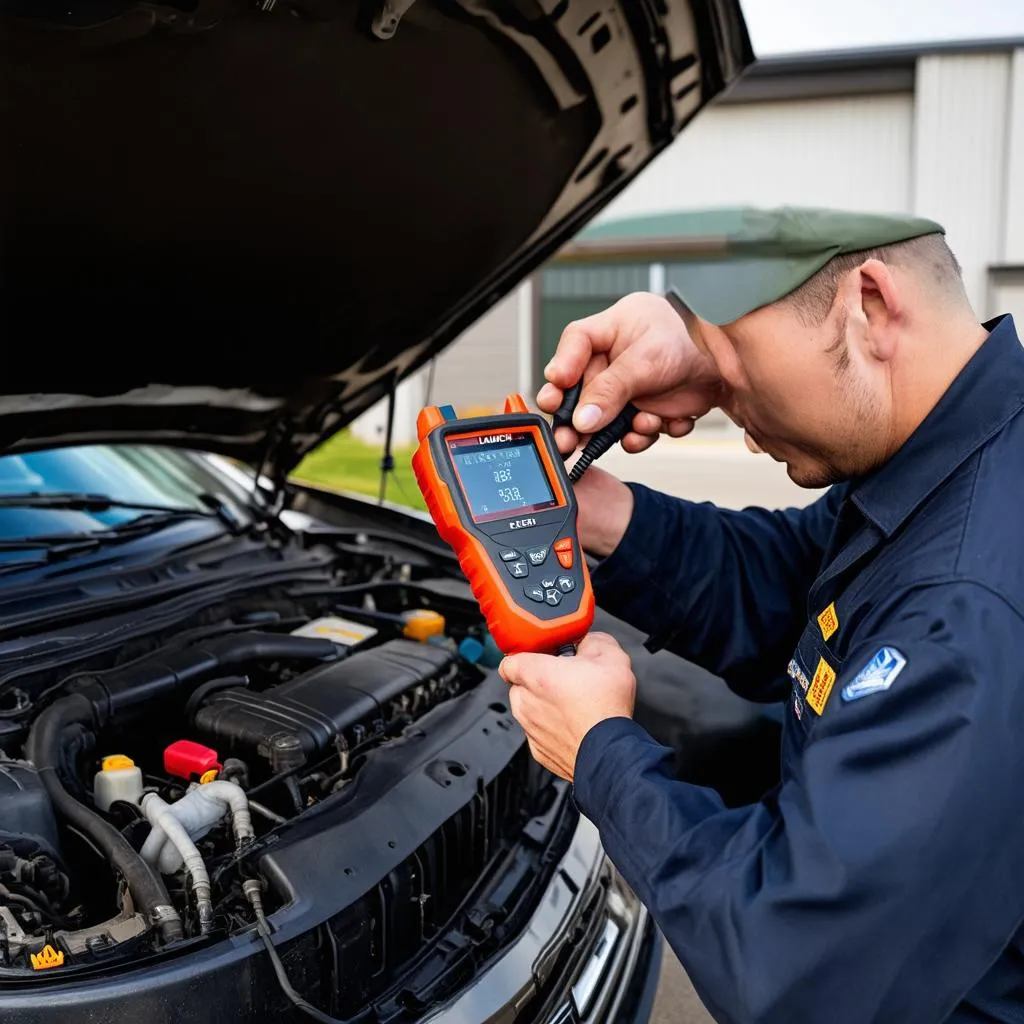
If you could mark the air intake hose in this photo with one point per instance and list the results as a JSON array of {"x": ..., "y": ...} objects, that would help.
[
  {"x": 43, "y": 749},
  {"x": 135, "y": 687}
]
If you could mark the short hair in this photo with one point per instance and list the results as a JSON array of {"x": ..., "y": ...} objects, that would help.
[{"x": 928, "y": 255}]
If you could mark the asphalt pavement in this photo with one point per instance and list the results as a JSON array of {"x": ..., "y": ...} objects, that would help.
[{"x": 720, "y": 470}]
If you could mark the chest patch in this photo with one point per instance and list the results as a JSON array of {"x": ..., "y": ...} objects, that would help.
[
  {"x": 828, "y": 621},
  {"x": 821, "y": 686},
  {"x": 797, "y": 674},
  {"x": 877, "y": 675}
]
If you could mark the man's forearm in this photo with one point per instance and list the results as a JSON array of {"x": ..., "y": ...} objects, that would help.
[{"x": 688, "y": 574}]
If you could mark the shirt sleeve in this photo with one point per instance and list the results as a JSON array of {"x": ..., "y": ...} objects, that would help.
[
  {"x": 881, "y": 879},
  {"x": 724, "y": 589}
]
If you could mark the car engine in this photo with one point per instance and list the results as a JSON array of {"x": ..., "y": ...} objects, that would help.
[{"x": 148, "y": 756}]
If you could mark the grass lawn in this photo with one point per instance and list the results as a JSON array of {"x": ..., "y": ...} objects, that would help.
[{"x": 345, "y": 463}]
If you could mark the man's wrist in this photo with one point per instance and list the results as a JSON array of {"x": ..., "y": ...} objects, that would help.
[{"x": 606, "y": 510}]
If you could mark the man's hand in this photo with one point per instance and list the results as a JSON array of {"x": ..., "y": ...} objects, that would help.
[
  {"x": 558, "y": 701},
  {"x": 638, "y": 350}
]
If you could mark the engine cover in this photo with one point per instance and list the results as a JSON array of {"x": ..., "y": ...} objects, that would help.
[
  {"x": 27, "y": 822},
  {"x": 337, "y": 704}
]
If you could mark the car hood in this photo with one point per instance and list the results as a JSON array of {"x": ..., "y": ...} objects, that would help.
[{"x": 235, "y": 224}]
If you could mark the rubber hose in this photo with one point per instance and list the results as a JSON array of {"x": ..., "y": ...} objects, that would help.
[
  {"x": 43, "y": 748},
  {"x": 160, "y": 816}
]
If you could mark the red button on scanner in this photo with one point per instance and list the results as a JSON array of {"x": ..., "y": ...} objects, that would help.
[{"x": 563, "y": 549}]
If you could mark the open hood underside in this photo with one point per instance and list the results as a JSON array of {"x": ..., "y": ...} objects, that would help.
[{"x": 234, "y": 224}]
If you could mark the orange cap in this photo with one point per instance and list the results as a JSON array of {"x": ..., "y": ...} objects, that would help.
[{"x": 422, "y": 624}]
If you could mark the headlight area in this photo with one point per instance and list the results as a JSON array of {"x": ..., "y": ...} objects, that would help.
[{"x": 341, "y": 757}]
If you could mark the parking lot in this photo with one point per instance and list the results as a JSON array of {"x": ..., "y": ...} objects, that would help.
[{"x": 722, "y": 471}]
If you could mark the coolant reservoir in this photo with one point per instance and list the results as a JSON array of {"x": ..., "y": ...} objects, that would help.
[{"x": 117, "y": 779}]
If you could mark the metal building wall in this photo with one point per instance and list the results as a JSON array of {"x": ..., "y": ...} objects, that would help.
[
  {"x": 952, "y": 150},
  {"x": 960, "y": 158},
  {"x": 476, "y": 372},
  {"x": 853, "y": 152},
  {"x": 1013, "y": 238}
]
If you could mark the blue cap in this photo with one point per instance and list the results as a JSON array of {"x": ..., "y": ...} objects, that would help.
[{"x": 471, "y": 649}]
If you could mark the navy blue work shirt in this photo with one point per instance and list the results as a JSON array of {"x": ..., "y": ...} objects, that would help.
[{"x": 882, "y": 880}]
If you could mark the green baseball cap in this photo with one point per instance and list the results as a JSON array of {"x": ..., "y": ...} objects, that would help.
[{"x": 756, "y": 257}]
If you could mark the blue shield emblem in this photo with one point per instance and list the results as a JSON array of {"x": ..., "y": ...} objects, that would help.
[{"x": 877, "y": 675}]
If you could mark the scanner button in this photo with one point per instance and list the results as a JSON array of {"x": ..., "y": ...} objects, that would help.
[
  {"x": 548, "y": 584},
  {"x": 534, "y": 594},
  {"x": 509, "y": 555},
  {"x": 553, "y": 597},
  {"x": 518, "y": 569},
  {"x": 563, "y": 549},
  {"x": 566, "y": 584},
  {"x": 537, "y": 555}
]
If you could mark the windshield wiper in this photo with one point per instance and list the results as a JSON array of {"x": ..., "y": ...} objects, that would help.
[
  {"x": 80, "y": 501},
  {"x": 59, "y": 545}
]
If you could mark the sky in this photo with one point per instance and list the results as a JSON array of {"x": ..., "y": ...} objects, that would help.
[{"x": 783, "y": 26}]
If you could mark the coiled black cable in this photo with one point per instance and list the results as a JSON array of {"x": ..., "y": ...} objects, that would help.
[{"x": 603, "y": 440}]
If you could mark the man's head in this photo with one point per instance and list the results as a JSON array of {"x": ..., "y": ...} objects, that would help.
[{"x": 833, "y": 375}]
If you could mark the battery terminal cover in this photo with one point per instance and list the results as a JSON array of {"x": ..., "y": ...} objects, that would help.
[{"x": 189, "y": 760}]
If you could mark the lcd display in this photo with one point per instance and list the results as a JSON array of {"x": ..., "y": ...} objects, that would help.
[{"x": 501, "y": 474}]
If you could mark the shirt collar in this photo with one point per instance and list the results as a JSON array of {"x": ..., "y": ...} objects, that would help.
[{"x": 985, "y": 396}]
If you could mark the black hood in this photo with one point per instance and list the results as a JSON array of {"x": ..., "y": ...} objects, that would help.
[{"x": 233, "y": 224}]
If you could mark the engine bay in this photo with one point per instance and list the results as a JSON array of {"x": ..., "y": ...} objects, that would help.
[{"x": 141, "y": 780}]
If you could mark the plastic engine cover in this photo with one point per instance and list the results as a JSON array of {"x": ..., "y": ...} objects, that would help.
[
  {"x": 26, "y": 814},
  {"x": 313, "y": 710}
]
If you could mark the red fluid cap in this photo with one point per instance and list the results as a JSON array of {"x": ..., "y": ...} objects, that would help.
[{"x": 188, "y": 760}]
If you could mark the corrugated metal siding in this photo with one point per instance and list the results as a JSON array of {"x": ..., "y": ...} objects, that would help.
[
  {"x": 960, "y": 158},
  {"x": 476, "y": 372},
  {"x": 850, "y": 152},
  {"x": 1013, "y": 241},
  {"x": 573, "y": 292},
  {"x": 1007, "y": 291}
]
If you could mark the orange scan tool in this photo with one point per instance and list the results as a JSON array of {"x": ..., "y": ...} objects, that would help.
[{"x": 501, "y": 498}]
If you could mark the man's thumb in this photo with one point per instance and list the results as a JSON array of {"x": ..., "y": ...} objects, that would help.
[{"x": 602, "y": 399}]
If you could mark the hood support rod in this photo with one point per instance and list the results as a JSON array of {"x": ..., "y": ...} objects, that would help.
[{"x": 387, "y": 462}]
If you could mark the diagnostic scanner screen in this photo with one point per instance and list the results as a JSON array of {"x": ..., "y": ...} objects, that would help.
[{"x": 501, "y": 475}]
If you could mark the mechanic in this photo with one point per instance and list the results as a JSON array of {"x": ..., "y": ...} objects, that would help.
[{"x": 882, "y": 880}]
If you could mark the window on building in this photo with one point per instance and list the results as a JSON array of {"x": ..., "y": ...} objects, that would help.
[{"x": 571, "y": 291}]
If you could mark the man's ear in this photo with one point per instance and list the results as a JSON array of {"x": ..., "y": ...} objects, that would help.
[{"x": 881, "y": 308}]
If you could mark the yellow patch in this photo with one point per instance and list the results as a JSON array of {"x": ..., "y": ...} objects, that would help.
[
  {"x": 46, "y": 958},
  {"x": 821, "y": 686},
  {"x": 828, "y": 621}
]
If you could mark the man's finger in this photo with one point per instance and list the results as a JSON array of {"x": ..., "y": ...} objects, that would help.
[
  {"x": 597, "y": 644},
  {"x": 635, "y": 443},
  {"x": 567, "y": 440},
  {"x": 604, "y": 396},
  {"x": 679, "y": 428},
  {"x": 647, "y": 423},
  {"x": 525, "y": 669},
  {"x": 575, "y": 347},
  {"x": 549, "y": 398}
]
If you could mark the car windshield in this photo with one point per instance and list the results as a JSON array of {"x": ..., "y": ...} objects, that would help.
[{"x": 141, "y": 479}]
